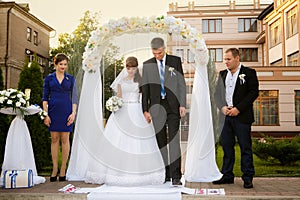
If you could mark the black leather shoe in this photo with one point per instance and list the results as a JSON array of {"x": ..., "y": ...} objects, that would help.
[
  {"x": 248, "y": 184},
  {"x": 53, "y": 178},
  {"x": 176, "y": 182},
  {"x": 62, "y": 178},
  {"x": 167, "y": 179},
  {"x": 223, "y": 180}
]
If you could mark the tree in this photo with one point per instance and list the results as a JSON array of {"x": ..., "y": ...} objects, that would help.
[
  {"x": 73, "y": 44},
  {"x": 31, "y": 77},
  {"x": 4, "y": 125}
]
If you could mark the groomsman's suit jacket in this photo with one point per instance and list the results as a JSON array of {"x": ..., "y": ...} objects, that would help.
[
  {"x": 174, "y": 84},
  {"x": 244, "y": 95}
]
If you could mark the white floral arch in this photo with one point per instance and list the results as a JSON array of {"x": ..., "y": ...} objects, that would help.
[
  {"x": 170, "y": 25},
  {"x": 201, "y": 136}
]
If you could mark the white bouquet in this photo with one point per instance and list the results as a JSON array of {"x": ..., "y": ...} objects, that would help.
[
  {"x": 114, "y": 103},
  {"x": 12, "y": 98}
]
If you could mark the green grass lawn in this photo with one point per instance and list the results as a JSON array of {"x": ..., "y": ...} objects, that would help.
[{"x": 262, "y": 168}]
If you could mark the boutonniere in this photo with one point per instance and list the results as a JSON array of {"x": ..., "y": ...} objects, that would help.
[
  {"x": 67, "y": 78},
  {"x": 242, "y": 78},
  {"x": 171, "y": 70}
]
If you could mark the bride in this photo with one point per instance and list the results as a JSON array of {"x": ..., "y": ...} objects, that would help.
[{"x": 132, "y": 156}]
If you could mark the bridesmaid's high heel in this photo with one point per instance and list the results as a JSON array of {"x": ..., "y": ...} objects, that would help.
[
  {"x": 62, "y": 178},
  {"x": 54, "y": 178}
]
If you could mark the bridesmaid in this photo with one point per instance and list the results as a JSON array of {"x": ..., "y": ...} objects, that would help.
[{"x": 60, "y": 101}]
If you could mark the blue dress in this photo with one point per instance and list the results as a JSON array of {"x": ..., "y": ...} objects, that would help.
[{"x": 60, "y": 98}]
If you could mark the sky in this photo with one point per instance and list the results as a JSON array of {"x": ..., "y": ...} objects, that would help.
[{"x": 64, "y": 15}]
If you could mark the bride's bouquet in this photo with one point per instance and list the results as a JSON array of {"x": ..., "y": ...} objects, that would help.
[{"x": 114, "y": 103}]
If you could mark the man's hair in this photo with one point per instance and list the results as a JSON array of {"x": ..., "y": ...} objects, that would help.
[
  {"x": 235, "y": 52},
  {"x": 157, "y": 43}
]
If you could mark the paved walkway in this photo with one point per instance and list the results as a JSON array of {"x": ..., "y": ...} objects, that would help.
[{"x": 264, "y": 188}]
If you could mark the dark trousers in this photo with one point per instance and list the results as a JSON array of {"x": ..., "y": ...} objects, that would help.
[
  {"x": 232, "y": 127},
  {"x": 166, "y": 124}
]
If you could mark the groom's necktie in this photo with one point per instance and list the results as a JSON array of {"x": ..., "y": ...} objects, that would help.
[{"x": 162, "y": 79}]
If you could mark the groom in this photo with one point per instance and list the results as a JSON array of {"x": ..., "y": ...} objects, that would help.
[{"x": 164, "y": 101}]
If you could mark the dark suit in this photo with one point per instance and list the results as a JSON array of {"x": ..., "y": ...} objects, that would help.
[
  {"x": 245, "y": 93},
  {"x": 165, "y": 111}
]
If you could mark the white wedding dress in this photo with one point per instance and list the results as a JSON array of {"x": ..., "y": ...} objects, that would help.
[{"x": 132, "y": 156}]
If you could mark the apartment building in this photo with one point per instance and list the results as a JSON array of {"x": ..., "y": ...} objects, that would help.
[
  {"x": 244, "y": 26},
  {"x": 21, "y": 35},
  {"x": 278, "y": 106}
]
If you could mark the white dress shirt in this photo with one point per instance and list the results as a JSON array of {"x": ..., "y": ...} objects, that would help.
[{"x": 230, "y": 83}]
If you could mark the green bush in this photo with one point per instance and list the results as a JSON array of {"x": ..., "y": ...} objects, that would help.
[
  {"x": 286, "y": 151},
  {"x": 31, "y": 77},
  {"x": 4, "y": 125}
]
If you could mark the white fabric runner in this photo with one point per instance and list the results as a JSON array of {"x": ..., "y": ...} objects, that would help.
[
  {"x": 18, "y": 148},
  {"x": 88, "y": 129},
  {"x": 200, "y": 163}
]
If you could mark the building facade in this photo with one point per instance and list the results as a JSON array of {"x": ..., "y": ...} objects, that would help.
[
  {"x": 233, "y": 25},
  {"x": 278, "y": 105},
  {"x": 21, "y": 35}
]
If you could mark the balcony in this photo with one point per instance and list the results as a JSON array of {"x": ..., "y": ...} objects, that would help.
[
  {"x": 260, "y": 39},
  {"x": 278, "y": 73}
]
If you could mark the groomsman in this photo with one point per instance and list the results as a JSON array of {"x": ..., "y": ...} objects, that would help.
[
  {"x": 236, "y": 91},
  {"x": 164, "y": 102}
]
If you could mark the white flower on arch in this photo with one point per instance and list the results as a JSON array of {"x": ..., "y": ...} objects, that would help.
[{"x": 98, "y": 41}]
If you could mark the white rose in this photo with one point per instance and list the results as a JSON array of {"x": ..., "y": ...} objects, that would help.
[
  {"x": 9, "y": 101},
  {"x": 108, "y": 103},
  {"x": 2, "y": 99},
  {"x": 19, "y": 95},
  {"x": 18, "y": 104},
  {"x": 22, "y": 100}
]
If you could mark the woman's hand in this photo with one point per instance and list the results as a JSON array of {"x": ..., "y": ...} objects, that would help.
[
  {"x": 147, "y": 117},
  {"x": 71, "y": 118},
  {"x": 47, "y": 121}
]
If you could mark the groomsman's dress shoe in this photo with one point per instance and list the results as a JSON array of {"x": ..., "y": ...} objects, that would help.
[
  {"x": 224, "y": 180},
  {"x": 248, "y": 184},
  {"x": 167, "y": 179},
  {"x": 176, "y": 182}
]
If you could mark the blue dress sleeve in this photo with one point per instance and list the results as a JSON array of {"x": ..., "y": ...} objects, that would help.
[
  {"x": 74, "y": 93},
  {"x": 46, "y": 89}
]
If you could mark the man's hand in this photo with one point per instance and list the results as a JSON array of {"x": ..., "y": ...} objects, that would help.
[
  {"x": 233, "y": 112},
  {"x": 147, "y": 117},
  {"x": 230, "y": 111},
  {"x": 182, "y": 111}
]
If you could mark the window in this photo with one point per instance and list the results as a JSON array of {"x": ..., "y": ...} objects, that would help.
[
  {"x": 277, "y": 63},
  {"x": 190, "y": 56},
  {"x": 216, "y": 54},
  {"x": 248, "y": 25},
  {"x": 249, "y": 54},
  {"x": 28, "y": 34},
  {"x": 266, "y": 108},
  {"x": 179, "y": 53},
  {"x": 292, "y": 17},
  {"x": 293, "y": 59},
  {"x": 275, "y": 33},
  {"x": 297, "y": 107},
  {"x": 211, "y": 25},
  {"x": 35, "y": 38}
]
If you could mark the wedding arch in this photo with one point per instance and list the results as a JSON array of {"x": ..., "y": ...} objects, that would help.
[{"x": 201, "y": 137}]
